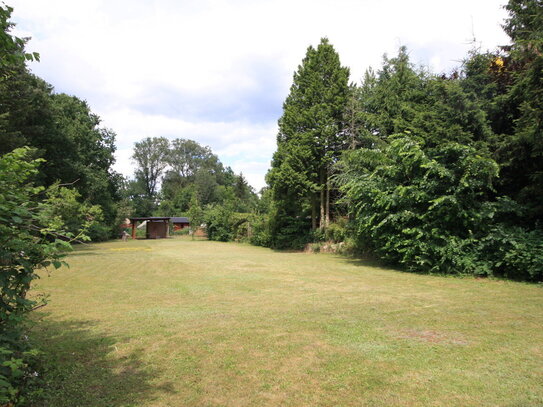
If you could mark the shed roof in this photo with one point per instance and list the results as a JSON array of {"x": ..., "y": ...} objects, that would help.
[
  {"x": 177, "y": 219},
  {"x": 150, "y": 218}
]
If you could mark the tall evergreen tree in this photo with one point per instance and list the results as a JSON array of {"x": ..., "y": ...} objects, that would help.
[
  {"x": 509, "y": 85},
  {"x": 310, "y": 138},
  {"x": 524, "y": 153}
]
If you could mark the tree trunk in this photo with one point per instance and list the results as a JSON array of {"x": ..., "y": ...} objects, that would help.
[
  {"x": 313, "y": 211},
  {"x": 327, "y": 215},
  {"x": 322, "y": 222}
]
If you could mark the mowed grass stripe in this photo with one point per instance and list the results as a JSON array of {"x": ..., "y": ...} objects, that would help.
[{"x": 196, "y": 323}]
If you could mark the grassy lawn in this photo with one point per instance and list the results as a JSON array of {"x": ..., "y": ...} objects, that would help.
[{"x": 195, "y": 323}]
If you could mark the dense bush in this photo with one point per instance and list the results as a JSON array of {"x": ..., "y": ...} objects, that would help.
[
  {"x": 218, "y": 223},
  {"x": 335, "y": 232},
  {"x": 98, "y": 232},
  {"x": 287, "y": 231},
  {"x": 63, "y": 210},
  {"x": 514, "y": 252},
  {"x": 260, "y": 230},
  {"x": 431, "y": 211},
  {"x": 25, "y": 246}
]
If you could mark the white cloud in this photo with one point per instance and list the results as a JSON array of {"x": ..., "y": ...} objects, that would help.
[{"x": 223, "y": 68}]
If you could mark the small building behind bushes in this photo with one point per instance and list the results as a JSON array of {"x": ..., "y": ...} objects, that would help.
[{"x": 180, "y": 223}]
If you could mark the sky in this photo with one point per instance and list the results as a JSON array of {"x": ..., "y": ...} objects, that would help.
[{"x": 218, "y": 71}]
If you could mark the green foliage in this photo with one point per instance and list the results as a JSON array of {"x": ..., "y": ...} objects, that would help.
[
  {"x": 186, "y": 170},
  {"x": 509, "y": 86},
  {"x": 142, "y": 204},
  {"x": 514, "y": 252},
  {"x": 98, "y": 232},
  {"x": 416, "y": 206},
  {"x": 259, "y": 233},
  {"x": 12, "y": 53},
  {"x": 403, "y": 98},
  {"x": 337, "y": 231},
  {"x": 25, "y": 246},
  {"x": 310, "y": 139},
  {"x": 62, "y": 211},
  {"x": 288, "y": 231},
  {"x": 150, "y": 156},
  {"x": 431, "y": 210},
  {"x": 181, "y": 232},
  {"x": 41, "y": 119},
  {"x": 17, "y": 375},
  {"x": 219, "y": 223},
  {"x": 186, "y": 158},
  {"x": 195, "y": 215}
]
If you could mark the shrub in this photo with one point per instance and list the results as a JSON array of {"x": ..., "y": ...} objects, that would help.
[
  {"x": 514, "y": 252},
  {"x": 260, "y": 230},
  {"x": 218, "y": 221},
  {"x": 337, "y": 231},
  {"x": 181, "y": 232},
  {"x": 431, "y": 211},
  {"x": 17, "y": 374},
  {"x": 25, "y": 246},
  {"x": 98, "y": 232},
  {"x": 289, "y": 232}
]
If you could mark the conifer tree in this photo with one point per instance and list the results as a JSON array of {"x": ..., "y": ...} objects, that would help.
[{"x": 310, "y": 137}]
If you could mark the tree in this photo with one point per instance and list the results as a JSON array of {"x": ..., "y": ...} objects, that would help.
[
  {"x": 62, "y": 210},
  {"x": 186, "y": 157},
  {"x": 508, "y": 84},
  {"x": 39, "y": 118},
  {"x": 12, "y": 52},
  {"x": 403, "y": 98},
  {"x": 523, "y": 154},
  {"x": 310, "y": 136},
  {"x": 151, "y": 158},
  {"x": 195, "y": 215},
  {"x": 419, "y": 207}
]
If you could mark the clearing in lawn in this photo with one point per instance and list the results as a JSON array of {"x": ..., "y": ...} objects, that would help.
[{"x": 197, "y": 323}]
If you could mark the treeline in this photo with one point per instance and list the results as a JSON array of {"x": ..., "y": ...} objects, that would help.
[
  {"x": 62, "y": 131},
  {"x": 433, "y": 172},
  {"x": 173, "y": 176}
]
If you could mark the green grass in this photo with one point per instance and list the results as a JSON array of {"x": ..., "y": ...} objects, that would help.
[{"x": 196, "y": 323}]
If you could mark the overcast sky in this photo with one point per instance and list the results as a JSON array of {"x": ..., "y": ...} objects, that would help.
[{"x": 218, "y": 71}]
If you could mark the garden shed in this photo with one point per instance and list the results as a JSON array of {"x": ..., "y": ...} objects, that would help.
[
  {"x": 155, "y": 227},
  {"x": 180, "y": 223}
]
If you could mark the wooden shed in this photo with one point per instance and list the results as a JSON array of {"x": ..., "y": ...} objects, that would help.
[
  {"x": 180, "y": 223},
  {"x": 155, "y": 227}
]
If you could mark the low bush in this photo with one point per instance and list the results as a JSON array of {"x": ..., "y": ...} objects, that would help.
[
  {"x": 260, "y": 231},
  {"x": 98, "y": 232},
  {"x": 181, "y": 232},
  {"x": 514, "y": 252},
  {"x": 18, "y": 375}
]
